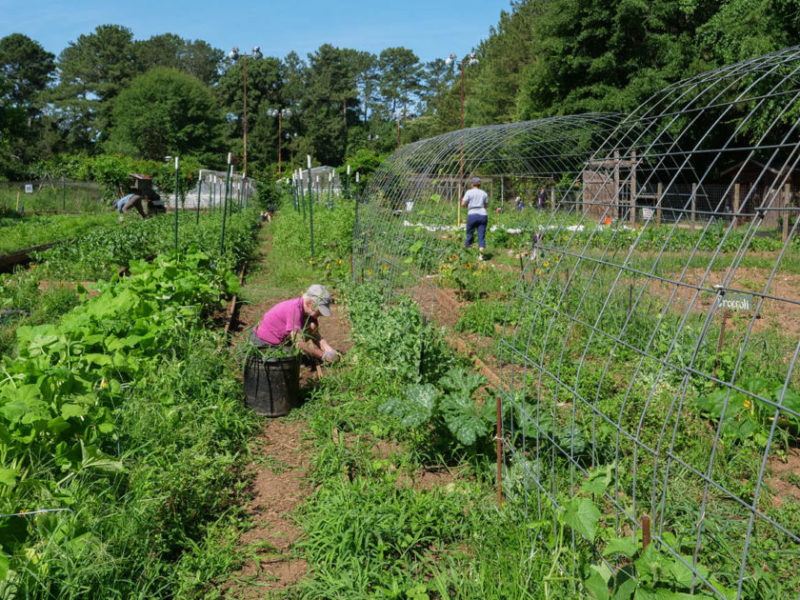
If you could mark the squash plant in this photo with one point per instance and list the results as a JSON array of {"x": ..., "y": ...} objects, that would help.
[{"x": 448, "y": 408}]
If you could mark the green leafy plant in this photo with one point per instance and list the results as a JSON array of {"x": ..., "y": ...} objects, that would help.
[
  {"x": 746, "y": 416},
  {"x": 449, "y": 409}
]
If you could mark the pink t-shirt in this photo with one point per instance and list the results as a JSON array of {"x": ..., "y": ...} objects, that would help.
[{"x": 281, "y": 320}]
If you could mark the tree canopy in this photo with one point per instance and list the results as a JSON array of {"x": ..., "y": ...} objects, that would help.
[
  {"x": 165, "y": 111},
  {"x": 107, "y": 90}
]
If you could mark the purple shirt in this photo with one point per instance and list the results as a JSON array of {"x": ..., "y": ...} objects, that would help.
[{"x": 281, "y": 320}]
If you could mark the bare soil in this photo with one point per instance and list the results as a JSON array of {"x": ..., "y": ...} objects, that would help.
[
  {"x": 781, "y": 312},
  {"x": 278, "y": 478},
  {"x": 443, "y": 307},
  {"x": 778, "y": 482},
  {"x": 276, "y": 488}
]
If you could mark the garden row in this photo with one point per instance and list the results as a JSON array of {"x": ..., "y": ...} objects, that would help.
[
  {"x": 600, "y": 356},
  {"x": 121, "y": 426},
  {"x": 403, "y": 466},
  {"x": 22, "y": 233},
  {"x": 44, "y": 291}
]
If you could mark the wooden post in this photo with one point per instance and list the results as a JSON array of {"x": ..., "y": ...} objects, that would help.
[
  {"x": 725, "y": 314},
  {"x": 458, "y": 205},
  {"x": 499, "y": 451},
  {"x": 787, "y": 199},
  {"x": 633, "y": 188},
  {"x": 694, "y": 205},
  {"x": 736, "y": 197},
  {"x": 645, "y": 532},
  {"x": 630, "y": 298},
  {"x": 659, "y": 197},
  {"x": 553, "y": 197}
]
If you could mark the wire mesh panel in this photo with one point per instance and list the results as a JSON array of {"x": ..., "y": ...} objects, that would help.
[
  {"x": 411, "y": 209},
  {"x": 653, "y": 332},
  {"x": 668, "y": 351}
]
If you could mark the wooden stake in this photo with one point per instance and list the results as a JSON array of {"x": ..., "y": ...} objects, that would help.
[
  {"x": 787, "y": 198},
  {"x": 499, "y": 452},
  {"x": 630, "y": 298},
  {"x": 632, "y": 215},
  {"x": 659, "y": 196},
  {"x": 725, "y": 314},
  {"x": 645, "y": 532}
]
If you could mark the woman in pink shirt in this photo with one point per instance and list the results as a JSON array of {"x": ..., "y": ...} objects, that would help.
[{"x": 295, "y": 322}]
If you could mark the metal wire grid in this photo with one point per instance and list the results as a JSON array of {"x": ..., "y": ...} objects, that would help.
[
  {"x": 612, "y": 352},
  {"x": 411, "y": 202}
]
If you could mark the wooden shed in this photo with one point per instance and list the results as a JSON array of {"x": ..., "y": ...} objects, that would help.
[{"x": 763, "y": 186}]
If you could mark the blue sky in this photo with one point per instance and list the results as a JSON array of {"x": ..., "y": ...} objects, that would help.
[{"x": 431, "y": 29}]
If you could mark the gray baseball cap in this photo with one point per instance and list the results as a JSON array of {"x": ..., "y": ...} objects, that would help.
[
  {"x": 321, "y": 297},
  {"x": 476, "y": 180}
]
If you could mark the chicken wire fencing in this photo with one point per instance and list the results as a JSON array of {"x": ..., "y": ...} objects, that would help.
[{"x": 650, "y": 338}]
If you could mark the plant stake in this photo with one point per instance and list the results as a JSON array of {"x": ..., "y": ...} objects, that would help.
[
  {"x": 176, "y": 203},
  {"x": 499, "y": 451},
  {"x": 225, "y": 206},
  {"x": 199, "y": 195},
  {"x": 310, "y": 207}
]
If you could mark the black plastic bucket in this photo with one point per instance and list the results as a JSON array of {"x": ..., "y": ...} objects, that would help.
[{"x": 272, "y": 387}]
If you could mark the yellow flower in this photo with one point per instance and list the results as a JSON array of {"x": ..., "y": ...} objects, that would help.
[
  {"x": 385, "y": 267},
  {"x": 546, "y": 264},
  {"x": 538, "y": 271},
  {"x": 104, "y": 384},
  {"x": 369, "y": 272},
  {"x": 747, "y": 404},
  {"x": 340, "y": 261}
]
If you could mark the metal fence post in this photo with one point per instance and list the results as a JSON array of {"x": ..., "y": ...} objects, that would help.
[
  {"x": 659, "y": 201},
  {"x": 225, "y": 206},
  {"x": 177, "y": 162},
  {"x": 311, "y": 208},
  {"x": 199, "y": 195}
]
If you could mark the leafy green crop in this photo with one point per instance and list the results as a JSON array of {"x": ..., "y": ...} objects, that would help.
[
  {"x": 746, "y": 416},
  {"x": 95, "y": 254},
  {"x": 63, "y": 392},
  {"x": 17, "y": 234},
  {"x": 449, "y": 409}
]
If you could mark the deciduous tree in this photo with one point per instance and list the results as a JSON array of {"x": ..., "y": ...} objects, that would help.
[{"x": 165, "y": 112}]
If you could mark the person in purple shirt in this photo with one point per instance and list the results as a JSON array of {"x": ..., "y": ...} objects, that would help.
[{"x": 294, "y": 322}]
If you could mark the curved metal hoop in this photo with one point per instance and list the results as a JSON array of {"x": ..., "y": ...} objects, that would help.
[{"x": 652, "y": 332}]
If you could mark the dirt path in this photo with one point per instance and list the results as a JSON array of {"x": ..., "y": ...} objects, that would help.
[{"x": 281, "y": 456}]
